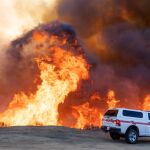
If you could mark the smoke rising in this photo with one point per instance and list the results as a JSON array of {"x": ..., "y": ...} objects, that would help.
[
  {"x": 118, "y": 33},
  {"x": 98, "y": 14}
]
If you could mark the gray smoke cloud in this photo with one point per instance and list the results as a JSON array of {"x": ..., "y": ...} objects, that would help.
[
  {"x": 98, "y": 14},
  {"x": 117, "y": 33}
]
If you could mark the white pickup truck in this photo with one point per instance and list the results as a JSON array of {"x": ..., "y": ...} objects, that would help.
[{"x": 128, "y": 123}]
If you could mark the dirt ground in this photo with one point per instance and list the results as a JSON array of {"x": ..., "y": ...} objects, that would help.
[{"x": 60, "y": 138}]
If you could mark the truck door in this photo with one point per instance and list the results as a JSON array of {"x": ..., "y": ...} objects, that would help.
[{"x": 148, "y": 126}]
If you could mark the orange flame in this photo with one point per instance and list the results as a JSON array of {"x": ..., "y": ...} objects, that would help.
[
  {"x": 87, "y": 116},
  {"x": 112, "y": 102},
  {"x": 60, "y": 74},
  {"x": 146, "y": 104},
  {"x": 60, "y": 71},
  {"x": 95, "y": 97}
]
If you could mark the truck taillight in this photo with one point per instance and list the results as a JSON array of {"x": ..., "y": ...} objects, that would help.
[{"x": 117, "y": 122}]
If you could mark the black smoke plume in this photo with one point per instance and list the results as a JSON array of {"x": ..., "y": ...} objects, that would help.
[{"x": 118, "y": 34}]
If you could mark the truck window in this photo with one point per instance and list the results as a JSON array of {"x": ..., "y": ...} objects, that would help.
[
  {"x": 149, "y": 116},
  {"x": 129, "y": 113},
  {"x": 111, "y": 113}
]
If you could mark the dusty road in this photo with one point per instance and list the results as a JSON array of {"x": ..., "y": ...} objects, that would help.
[{"x": 59, "y": 138}]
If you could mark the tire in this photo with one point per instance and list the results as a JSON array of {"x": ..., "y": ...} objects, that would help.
[
  {"x": 131, "y": 136},
  {"x": 114, "y": 136}
]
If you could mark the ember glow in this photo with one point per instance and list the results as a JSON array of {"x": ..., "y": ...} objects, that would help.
[
  {"x": 112, "y": 102},
  {"x": 87, "y": 116},
  {"x": 146, "y": 104}
]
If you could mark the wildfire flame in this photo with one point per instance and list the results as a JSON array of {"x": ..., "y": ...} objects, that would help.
[
  {"x": 61, "y": 67},
  {"x": 87, "y": 116},
  {"x": 146, "y": 104},
  {"x": 60, "y": 72},
  {"x": 112, "y": 102}
]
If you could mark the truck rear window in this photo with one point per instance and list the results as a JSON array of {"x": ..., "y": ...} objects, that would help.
[
  {"x": 111, "y": 113},
  {"x": 149, "y": 116},
  {"x": 129, "y": 113}
]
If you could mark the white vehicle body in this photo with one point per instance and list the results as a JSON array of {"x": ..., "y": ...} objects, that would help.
[{"x": 120, "y": 120}]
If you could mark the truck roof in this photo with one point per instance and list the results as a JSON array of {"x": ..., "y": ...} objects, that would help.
[{"x": 128, "y": 109}]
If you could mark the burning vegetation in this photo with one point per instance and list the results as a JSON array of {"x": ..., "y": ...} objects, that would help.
[
  {"x": 61, "y": 67},
  {"x": 57, "y": 67}
]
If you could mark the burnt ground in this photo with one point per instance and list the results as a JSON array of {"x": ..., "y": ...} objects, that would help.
[{"x": 61, "y": 138}]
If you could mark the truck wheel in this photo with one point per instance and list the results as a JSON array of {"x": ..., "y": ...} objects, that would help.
[
  {"x": 131, "y": 136},
  {"x": 114, "y": 136}
]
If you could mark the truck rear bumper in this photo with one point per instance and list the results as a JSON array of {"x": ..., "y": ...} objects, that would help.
[{"x": 111, "y": 129}]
